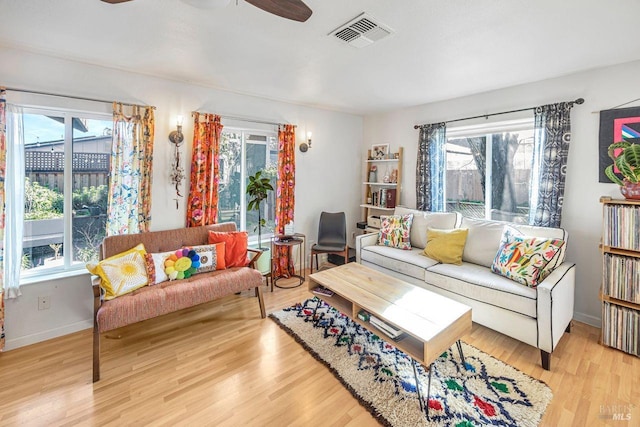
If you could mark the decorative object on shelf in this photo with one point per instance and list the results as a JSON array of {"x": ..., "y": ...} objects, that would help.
[
  {"x": 373, "y": 174},
  {"x": 626, "y": 162},
  {"x": 379, "y": 151},
  {"x": 258, "y": 190},
  {"x": 387, "y": 177},
  {"x": 305, "y": 146},
  {"x": 177, "y": 172},
  {"x": 393, "y": 178}
]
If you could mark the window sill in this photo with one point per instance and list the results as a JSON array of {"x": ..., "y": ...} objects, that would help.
[{"x": 52, "y": 276}]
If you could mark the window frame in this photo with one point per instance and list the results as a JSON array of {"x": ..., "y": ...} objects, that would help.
[
  {"x": 245, "y": 132},
  {"x": 487, "y": 130},
  {"x": 67, "y": 215}
]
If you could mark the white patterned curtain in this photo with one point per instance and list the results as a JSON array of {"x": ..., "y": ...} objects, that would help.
[
  {"x": 129, "y": 208},
  {"x": 14, "y": 202},
  {"x": 552, "y": 135},
  {"x": 430, "y": 168}
]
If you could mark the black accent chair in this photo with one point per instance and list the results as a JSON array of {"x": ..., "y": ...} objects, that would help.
[{"x": 332, "y": 237}]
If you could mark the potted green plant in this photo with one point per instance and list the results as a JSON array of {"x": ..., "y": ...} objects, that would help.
[
  {"x": 626, "y": 158},
  {"x": 258, "y": 189}
]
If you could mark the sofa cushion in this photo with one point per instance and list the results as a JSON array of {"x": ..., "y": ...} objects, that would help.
[
  {"x": 121, "y": 273},
  {"x": 546, "y": 232},
  {"x": 483, "y": 240},
  {"x": 446, "y": 245},
  {"x": 411, "y": 263},
  {"x": 235, "y": 246},
  {"x": 395, "y": 231},
  {"x": 479, "y": 283},
  {"x": 212, "y": 257},
  {"x": 423, "y": 220},
  {"x": 510, "y": 233},
  {"x": 523, "y": 259},
  {"x": 152, "y": 301}
]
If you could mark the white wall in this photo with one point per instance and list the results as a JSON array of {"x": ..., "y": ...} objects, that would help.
[
  {"x": 327, "y": 176},
  {"x": 582, "y": 214}
]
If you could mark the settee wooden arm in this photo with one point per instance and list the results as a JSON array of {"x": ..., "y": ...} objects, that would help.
[{"x": 254, "y": 259}]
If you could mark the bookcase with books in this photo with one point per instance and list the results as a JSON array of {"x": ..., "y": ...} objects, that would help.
[
  {"x": 620, "y": 292},
  {"x": 381, "y": 187}
]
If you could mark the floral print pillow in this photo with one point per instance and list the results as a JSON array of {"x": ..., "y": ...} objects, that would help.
[
  {"x": 395, "y": 231},
  {"x": 524, "y": 258}
]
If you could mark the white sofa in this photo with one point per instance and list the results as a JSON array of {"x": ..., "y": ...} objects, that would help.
[{"x": 536, "y": 316}]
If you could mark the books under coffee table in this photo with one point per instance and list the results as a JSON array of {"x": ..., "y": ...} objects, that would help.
[{"x": 422, "y": 323}]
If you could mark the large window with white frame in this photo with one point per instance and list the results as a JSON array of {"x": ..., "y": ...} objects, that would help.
[
  {"x": 243, "y": 152},
  {"x": 488, "y": 171},
  {"x": 66, "y": 185}
]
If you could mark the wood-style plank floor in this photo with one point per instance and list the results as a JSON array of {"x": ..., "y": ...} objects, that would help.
[{"x": 220, "y": 364}]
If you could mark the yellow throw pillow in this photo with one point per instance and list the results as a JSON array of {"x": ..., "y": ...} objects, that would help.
[
  {"x": 121, "y": 273},
  {"x": 446, "y": 246}
]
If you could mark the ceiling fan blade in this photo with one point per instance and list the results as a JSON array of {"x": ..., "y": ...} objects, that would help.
[
  {"x": 115, "y": 1},
  {"x": 295, "y": 10}
]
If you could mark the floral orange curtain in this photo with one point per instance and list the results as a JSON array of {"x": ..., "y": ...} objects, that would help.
[
  {"x": 3, "y": 164},
  {"x": 202, "y": 205},
  {"x": 285, "y": 196}
]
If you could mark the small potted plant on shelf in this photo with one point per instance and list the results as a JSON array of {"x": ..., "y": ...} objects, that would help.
[
  {"x": 258, "y": 189},
  {"x": 626, "y": 159}
]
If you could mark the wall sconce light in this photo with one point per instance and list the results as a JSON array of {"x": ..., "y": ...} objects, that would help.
[
  {"x": 306, "y": 145},
  {"x": 176, "y": 136},
  {"x": 177, "y": 172}
]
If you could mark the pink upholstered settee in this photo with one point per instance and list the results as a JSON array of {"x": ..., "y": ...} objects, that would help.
[{"x": 166, "y": 297}]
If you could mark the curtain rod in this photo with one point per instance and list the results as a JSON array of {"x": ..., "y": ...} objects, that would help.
[
  {"x": 81, "y": 98},
  {"x": 577, "y": 101},
  {"x": 242, "y": 119}
]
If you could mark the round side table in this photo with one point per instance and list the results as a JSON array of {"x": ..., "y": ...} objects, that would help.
[{"x": 289, "y": 242}]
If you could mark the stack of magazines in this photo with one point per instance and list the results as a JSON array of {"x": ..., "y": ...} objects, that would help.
[{"x": 391, "y": 331}]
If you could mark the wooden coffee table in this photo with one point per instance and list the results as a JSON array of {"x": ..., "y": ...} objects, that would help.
[{"x": 431, "y": 323}]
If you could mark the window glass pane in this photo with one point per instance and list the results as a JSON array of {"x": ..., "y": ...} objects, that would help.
[
  {"x": 512, "y": 154},
  {"x": 465, "y": 179},
  {"x": 257, "y": 160},
  {"x": 44, "y": 192},
  {"x": 498, "y": 163},
  {"x": 229, "y": 190},
  {"x": 90, "y": 178}
]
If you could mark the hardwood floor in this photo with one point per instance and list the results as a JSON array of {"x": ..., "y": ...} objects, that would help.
[{"x": 221, "y": 364}]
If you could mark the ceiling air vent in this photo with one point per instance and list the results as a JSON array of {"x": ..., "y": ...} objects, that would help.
[{"x": 361, "y": 31}]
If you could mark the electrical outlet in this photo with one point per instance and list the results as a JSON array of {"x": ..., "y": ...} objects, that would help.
[
  {"x": 353, "y": 235},
  {"x": 44, "y": 303}
]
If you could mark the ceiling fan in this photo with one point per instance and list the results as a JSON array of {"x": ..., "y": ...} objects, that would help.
[{"x": 295, "y": 10}]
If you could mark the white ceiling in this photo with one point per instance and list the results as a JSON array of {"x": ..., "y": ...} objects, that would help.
[{"x": 441, "y": 49}]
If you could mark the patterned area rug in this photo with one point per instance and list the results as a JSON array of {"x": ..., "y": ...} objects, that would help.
[{"x": 488, "y": 392}]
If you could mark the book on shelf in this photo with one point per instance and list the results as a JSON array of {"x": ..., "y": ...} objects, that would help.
[
  {"x": 388, "y": 329},
  {"x": 321, "y": 290}
]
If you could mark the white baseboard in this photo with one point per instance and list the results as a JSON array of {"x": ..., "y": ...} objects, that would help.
[
  {"x": 12, "y": 344},
  {"x": 588, "y": 319}
]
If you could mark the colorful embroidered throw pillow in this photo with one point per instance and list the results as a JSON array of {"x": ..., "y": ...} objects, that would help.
[
  {"x": 524, "y": 259},
  {"x": 235, "y": 246},
  {"x": 211, "y": 257},
  {"x": 395, "y": 231},
  {"x": 509, "y": 234},
  {"x": 446, "y": 246},
  {"x": 121, "y": 273}
]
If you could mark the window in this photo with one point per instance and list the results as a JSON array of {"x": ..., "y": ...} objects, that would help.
[
  {"x": 243, "y": 153},
  {"x": 489, "y": 171},
  {"x": 66, "y": 187}
]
